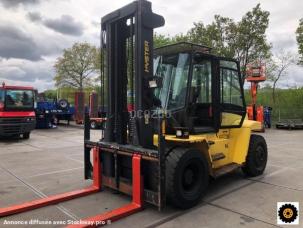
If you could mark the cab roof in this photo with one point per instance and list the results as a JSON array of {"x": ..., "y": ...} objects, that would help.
[{"x": 182, "y": 47}]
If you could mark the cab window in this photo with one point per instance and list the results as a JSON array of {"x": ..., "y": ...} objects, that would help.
[
  {"x": 232, "y": 102},
  {"x": 201, "y": 81},
  {"x": 230, "y": 87}
]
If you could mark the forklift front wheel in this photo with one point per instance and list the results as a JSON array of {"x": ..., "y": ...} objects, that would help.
[
  {"x": 187, "y": 176},
  {"x": 256, "y": 159}
]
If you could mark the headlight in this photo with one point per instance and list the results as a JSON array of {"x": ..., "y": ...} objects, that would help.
[
  {"x": 178, "y": 133},
  {"x": 46, "y": 111},
  {"x": 182, "y": 133}
]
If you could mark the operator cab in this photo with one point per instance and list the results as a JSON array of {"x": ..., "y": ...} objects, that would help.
[{"x": 200, "y": 92}]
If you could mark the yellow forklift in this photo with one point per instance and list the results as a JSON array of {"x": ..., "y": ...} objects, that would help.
[{"x": 188, "y": 122}]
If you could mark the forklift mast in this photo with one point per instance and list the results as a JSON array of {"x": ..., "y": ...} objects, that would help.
[{"x": 127, "y": 47}]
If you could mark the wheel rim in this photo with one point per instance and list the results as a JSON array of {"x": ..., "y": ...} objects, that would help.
[
  {"x": 288, "y": 213},
  {"x": 191, "y": 178},
  {"x": 260, "y": 158}
]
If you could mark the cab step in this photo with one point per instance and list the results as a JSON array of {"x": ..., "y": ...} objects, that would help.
[
  {"x": 225, "y": 169},
  {"x": 218, "y": 156}
]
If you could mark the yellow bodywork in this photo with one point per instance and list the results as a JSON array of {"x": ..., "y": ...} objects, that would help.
[{"x": 232, "y": 142}]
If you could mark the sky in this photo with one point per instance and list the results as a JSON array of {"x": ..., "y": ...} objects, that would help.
[{"x": 33, "y": 33}]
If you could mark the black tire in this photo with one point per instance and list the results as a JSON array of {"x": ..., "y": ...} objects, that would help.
[
  {"x": 93, "y": 124},
  {"x": 187, "y": 174},
  {"x": 26, "y": 135},
  {"x": 63, "y": 104},
  {"x": 256, "y": 158}
]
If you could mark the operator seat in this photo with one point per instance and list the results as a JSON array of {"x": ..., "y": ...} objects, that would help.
[{"x": 201, "y": 117}]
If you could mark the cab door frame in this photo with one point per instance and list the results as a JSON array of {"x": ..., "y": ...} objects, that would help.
[
  {"x": 224, "y": 107},
  {"x": 215, "y": 96}
]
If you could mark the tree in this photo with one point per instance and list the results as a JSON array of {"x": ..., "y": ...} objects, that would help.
[
  {"x": 244, "y": 40},
  {"x": 250, "y": 42},
  {"x": 216, "y": 35},
  {"x": 281, "y": 62},
  {"x": 77, "y": 66},
  {"x": 162, "y": 40},
  {"x": 50, "y": 94},
  {"x": 299, "y": 33}
]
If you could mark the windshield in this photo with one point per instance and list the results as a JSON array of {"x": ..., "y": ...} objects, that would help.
[
  {"x": 19, "y": 99},
  {"x": 174, "y": 70}
]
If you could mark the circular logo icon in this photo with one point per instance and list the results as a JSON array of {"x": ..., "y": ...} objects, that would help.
[{"x": 288, "y": 213}]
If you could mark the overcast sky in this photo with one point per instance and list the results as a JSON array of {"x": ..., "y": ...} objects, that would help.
[{"x": 33, "y": 33}]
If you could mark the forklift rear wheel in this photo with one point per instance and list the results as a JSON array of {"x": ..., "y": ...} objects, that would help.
[
  {"x": 26, "y": 135},
  {"x": 93, "y": 124},
  {"x": 256, "y": 157},
  {"x": 187, "y": 176}
]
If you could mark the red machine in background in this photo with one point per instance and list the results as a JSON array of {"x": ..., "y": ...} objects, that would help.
[
  {"x": 255, "y": 74},
  {"x": 97, "y": 116},
  {"x": 79, "y": 107},
  {"x": 17, "y": 115}
]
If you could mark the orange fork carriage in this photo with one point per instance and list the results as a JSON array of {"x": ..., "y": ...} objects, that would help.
[
  {"x": 134, "y": 206},
  {"x": 94, "y": 171}
]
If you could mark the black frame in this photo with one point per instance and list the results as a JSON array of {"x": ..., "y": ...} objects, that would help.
[
  {"x": 140, "y": 31},
  {"x": 217, "y": 106},
  {"x": 234, "y": 110},
  {"x": 116, "y": 145}
]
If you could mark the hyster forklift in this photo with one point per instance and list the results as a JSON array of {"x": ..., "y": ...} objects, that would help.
[{"x": 188, "y": 122}]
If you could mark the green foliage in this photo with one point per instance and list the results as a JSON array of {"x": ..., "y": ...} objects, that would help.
[
  {"x": 244, "y": 40},
  {"x": 290, "y": 105},
  {"x": 277, "y": 67},
  {"x": 161, "y": 40},
  {"x": 299, "y": 33},
  {"x": 50, "y": 94},
  {"x": 216, "y": 35},
  {"x": 250, "y": 43},
  {"x": 77, "y": 66}
]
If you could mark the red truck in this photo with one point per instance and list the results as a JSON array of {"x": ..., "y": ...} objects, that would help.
[{"x": 17, "y": 115}]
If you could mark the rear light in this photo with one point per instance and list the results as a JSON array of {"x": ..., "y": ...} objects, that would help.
[{"x": 1, "y": 106}]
